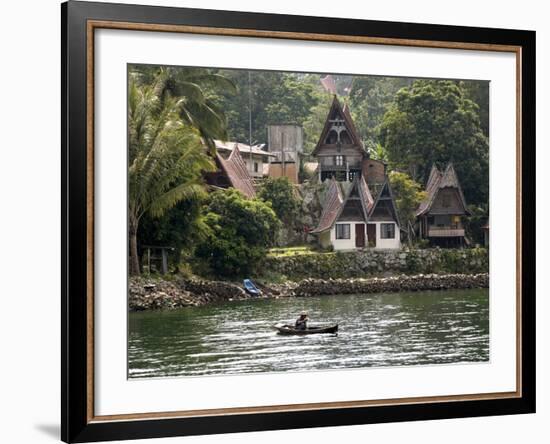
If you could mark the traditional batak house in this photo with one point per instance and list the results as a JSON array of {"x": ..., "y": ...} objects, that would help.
[
  {"x": 339, "y": 152},
  {"x": 441, "y": 214},
  {"x": 231, "y": 172},
  {"x": 365, "y": 215},
  {"x": 255, "y": 157},
  {"x": 353, "y": 219}
]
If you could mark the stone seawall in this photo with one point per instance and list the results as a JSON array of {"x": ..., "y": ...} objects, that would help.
[
  {"x": 422, "y": 282},
  {"x": 155, "y": 294},
  {"x": 372, "y": 262}
]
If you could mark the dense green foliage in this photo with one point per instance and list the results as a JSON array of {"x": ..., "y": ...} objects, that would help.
[
  {"x": 181, "y": 228},
  {"x": 476, "y": 221},
  {"x": 166, "y": 156},
  {"x": 174, "y": 113},
  {"x": 408, "y": 194},
  {"x": 266, "y": 97},
  {"x": 196, "y": 90},
  {"x": 370, "y": 98},
  {"x": 434, "y": 122},
  {"x": 280, "y": 194},
  {"x": 240, "y": 232}
]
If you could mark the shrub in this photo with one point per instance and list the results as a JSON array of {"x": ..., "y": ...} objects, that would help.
[{"x": 240, "y": 231}]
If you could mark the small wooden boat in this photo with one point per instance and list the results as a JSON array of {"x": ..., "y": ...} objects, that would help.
[
  {"x": 291, "y": 330},
  {"x": 251, "y": 288}
]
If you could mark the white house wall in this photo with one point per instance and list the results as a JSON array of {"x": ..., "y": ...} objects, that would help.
[
  {"x": 250, "y": 164},
  {"x": 344, "y": 244},
  {"x": 349, "y": 244},
  {"x": 387, "y": 244}
]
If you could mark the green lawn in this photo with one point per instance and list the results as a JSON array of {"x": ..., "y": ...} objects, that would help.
[{"x": 291, "y": 251}]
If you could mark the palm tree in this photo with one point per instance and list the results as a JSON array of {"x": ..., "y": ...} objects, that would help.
[
  {"x": 197, "y": 108},
  {"x": 166, "y": 157}
]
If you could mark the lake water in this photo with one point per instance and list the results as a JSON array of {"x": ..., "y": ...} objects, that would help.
[{"x": 420, "y": 328}]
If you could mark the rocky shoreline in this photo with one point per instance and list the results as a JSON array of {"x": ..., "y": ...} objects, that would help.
[{"x": 155, "y": 294}]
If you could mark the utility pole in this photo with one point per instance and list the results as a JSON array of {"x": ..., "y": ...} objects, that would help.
[{"x": 250, "y": 118}]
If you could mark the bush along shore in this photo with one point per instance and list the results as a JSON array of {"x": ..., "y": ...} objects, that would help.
[{"x": 156, "y": 294}]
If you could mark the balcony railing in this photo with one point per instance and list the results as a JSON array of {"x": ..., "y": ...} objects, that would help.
[
  {"x": 445, "y": 232},
  {"x": 329, "y": 162}
]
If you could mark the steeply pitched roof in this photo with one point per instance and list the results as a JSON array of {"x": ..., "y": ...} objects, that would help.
[
  {"x": 236, "y": 172},
  {"x": 336, "y": 108},
  {"x": 366, "y": 196},
  {"x": 335, "y": 202},
  {"x": 437, "y": 181},
  {"x": 332, "y": 207},
  {"x": 385, "y": 194}
]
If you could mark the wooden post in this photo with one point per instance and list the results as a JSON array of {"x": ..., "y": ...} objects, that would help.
[
  {"x": 149, "y": 260},
  {"x": 164, "y": 261}
]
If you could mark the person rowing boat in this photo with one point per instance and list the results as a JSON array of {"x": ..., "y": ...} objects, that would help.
[{"x": 301, "y": 322}]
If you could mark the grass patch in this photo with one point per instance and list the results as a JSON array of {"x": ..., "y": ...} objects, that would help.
[{"x": 292, "y": 251}]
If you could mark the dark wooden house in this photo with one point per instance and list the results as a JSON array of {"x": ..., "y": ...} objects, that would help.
[
  {"x": 442, "y": 213},
  {"x": 339, "y": 152}
]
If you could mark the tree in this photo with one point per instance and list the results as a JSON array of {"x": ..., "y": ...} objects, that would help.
[
  {"x": 240, "y": 231},
  {"x": 408, "y": 194},
  {"x": 315, "y": 121},
  {"x": 280, "y": 194},
  {"x": 370, "y": 98},
  {"x": 473, "y": 224},
  {"x": 433, "y": 122},
  {"x": 196, "y": 88},
  {"x": 478, "y": 92},
  {"x": 166, "y": 158},
  {"x": 181, "y": 227},
  {"x": 266, "y": 97}
]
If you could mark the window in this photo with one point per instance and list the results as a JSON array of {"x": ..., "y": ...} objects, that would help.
[
  {"x": 339, "y": 160},
  {"x": 255, "y": 167},
  {"x": 387, "y": 231},
  {"x": 343, "y": 231}
]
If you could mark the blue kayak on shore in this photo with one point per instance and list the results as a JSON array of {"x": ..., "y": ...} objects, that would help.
[{"x": 251, "y": 288}]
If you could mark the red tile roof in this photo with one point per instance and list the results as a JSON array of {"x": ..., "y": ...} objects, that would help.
[
  {"x": 332, "y": 207},
  {"x": 236, "y": 172},
  {"x": 329, "y": 84}
]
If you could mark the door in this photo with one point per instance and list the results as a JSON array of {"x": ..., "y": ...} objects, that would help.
[
  {"x": 359, "y": 235},
  {"x": 371, "y": 234}
]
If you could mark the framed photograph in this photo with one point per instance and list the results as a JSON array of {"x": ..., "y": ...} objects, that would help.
[{"x": 276, "y": 221}]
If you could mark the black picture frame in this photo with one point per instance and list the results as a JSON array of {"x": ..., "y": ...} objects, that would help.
[{"x": 76, "y": 423}]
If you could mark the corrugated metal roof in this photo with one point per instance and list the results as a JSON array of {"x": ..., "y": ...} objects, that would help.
[{"x": 244, "y": 148}]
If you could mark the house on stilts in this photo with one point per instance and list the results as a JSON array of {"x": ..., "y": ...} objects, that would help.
[{"x": 441, "y": 214}]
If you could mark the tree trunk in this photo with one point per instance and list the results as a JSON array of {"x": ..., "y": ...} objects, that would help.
[{"x": 134, "y": 257}]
